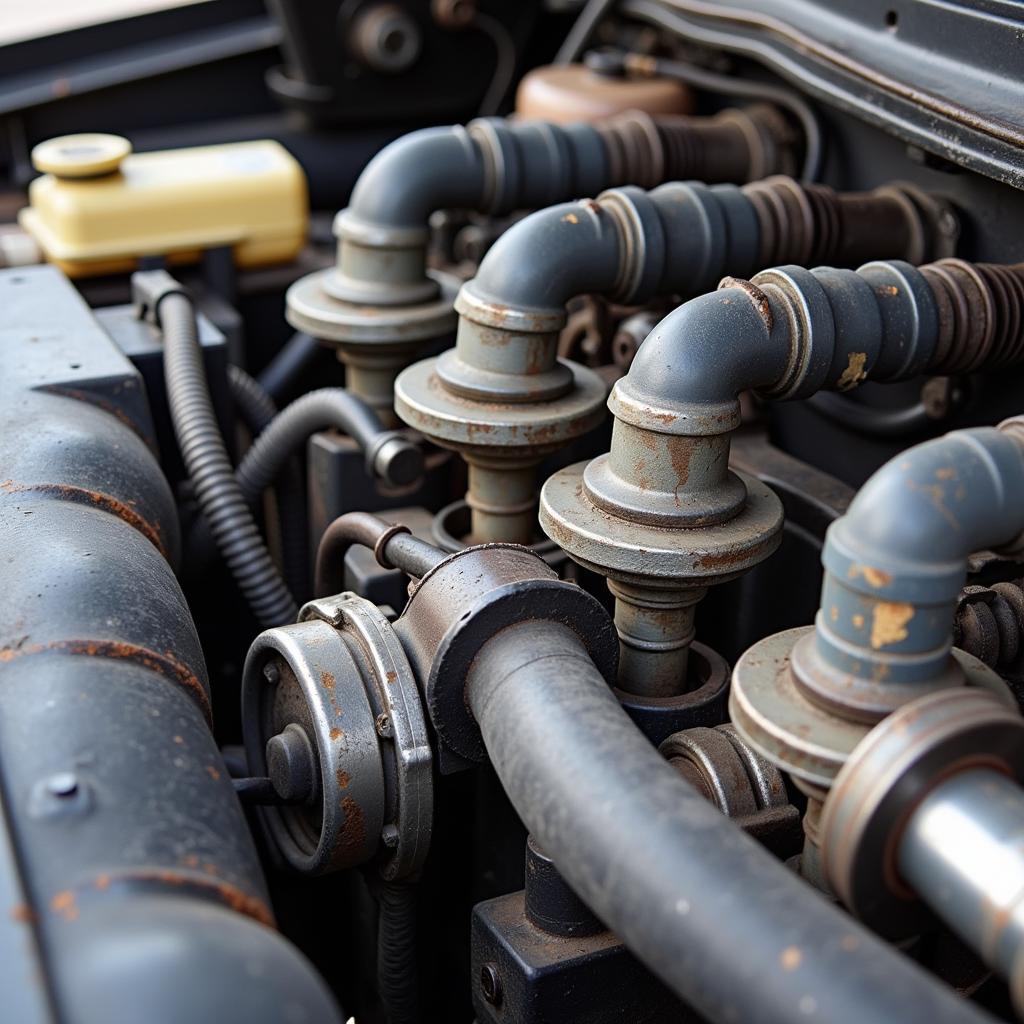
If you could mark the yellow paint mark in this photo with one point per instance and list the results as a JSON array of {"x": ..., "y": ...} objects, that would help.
[
  {"x": 790, "y": 958},
  {"x": 873, "y": 577},
  {"x": 858, "y": 621},
  {"x": 854, "y": 372},
  {"x": 888, "y": 624},
  {"x": 571, "y": 218}
]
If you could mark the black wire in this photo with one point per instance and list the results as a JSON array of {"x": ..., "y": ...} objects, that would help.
[{"x": 582, "y": 30}]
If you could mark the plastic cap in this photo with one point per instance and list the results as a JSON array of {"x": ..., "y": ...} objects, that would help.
[{"x": 81, "y": 156}]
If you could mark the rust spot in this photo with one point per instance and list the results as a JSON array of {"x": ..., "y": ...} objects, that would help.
[
  {"x": 213, "y": 773},
  {"x": 756, "y": 296},
  {"x": 23, "y": 913},
  {"x": 343, "y": 778},
  {"x": 102, "y": 882},
  {"x": 790, "y": 958},
  {"x": 854, "y": 372},
  {"x": 945, "y": 473},
  {"x": 163, "y": 664},
  {"x": 64, "y": 904},
  {"x": 889, "y": 621},
  {"x": 243, "y": 903},
  {"x": 833, "y": 613},
  {"x": 858, "y": 621},
  {"x": 336, "y": 733},
  {"x": 873, "y": 577},
  {"x": 392, "y": 676},
  {"x": 95, "y": 499},
  {"x": 889, "y": 289},
  {"x": 571, "y": 218},
  {"x": 327, "y": 680},
  {"x": 353, "y": 835},
  {"x": 849, "y": 943},
  {"x": 179, "y": 740}
]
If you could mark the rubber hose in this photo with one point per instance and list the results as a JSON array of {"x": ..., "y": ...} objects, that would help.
[
  {"x": 218, "y": 493},
  {"x": 258, "y": 410},
  {"x": 396, "y": 952},
  {"x": 729, "y": 928}
]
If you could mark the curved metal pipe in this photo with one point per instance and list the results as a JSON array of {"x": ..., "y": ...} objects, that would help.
[
  {"x": 392, "y": 544},
  {"x": 674, "y": 878},
  {"x": 140, "y": 884},
  {"x": 895, "y": 563}
]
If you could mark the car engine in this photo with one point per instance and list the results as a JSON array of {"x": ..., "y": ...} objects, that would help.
[{"x": 513, "y": 513}]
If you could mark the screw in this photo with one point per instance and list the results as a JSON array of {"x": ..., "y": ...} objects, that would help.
[
  {"x": 383, "y": 725},
  {"x": 271, "y": 673},
  {"x": 490, "y": 984},
  {"x": 389, "y": 836},
  {"x": 63, "y": 784}
]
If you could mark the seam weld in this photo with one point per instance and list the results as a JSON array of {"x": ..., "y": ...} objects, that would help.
[
  {"x": 756, "y": 296},
  {"x": 163, "y": 664},
  {"x": 94, "y": 499},
  {"x": 65, "y": 903}
]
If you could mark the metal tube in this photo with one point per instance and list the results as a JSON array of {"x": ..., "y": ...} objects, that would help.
[
  {"x": 140, "y": 880},
  {"x": 719, "y": 920},
  {"x": 962, "y": 852},
  {"x": 393, "y": 545},
  {"x": 503, "y": 502}
]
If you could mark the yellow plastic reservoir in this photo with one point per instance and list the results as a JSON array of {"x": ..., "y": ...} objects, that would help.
[{"x": 98, "y": 207}]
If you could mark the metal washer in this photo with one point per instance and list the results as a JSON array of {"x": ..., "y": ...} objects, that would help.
[{"x": 891, "y": 771}]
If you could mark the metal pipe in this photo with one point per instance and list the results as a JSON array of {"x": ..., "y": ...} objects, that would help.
[
  {"x": 503, "y": 395},
  {"x": 962, "y": 852},
  {"x": 141, "y": 886},
  {"x": 715, "y": 916},
  {"x": 393, "y": 546},
  {"x": 786, "y": 334}
]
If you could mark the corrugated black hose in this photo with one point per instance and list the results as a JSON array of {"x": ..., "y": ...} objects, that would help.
[
  {"x": 396, "y": 952},
  {"x": 257, "y": 411},
  {"x": 218, "y": 493}
]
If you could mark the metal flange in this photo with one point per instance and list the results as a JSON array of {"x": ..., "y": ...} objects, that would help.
[
  {"x": 469, "y": 425},
  {"x": 887, "y": 776},
  {"x": 311, "y": 307},
  {"x": 779, "y": 718},
  {"x": 643, "y": 553},
  {"x": 330, "y": 710}
]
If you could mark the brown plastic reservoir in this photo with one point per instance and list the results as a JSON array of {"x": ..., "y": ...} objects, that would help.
[{"x": 567, "y": 93}]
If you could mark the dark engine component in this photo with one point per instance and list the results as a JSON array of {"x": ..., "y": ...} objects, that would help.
[{"x": 513, "y": 513}]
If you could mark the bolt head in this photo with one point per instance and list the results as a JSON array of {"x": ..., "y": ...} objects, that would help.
[
  {"x": 490, "y": 984},
  {"x": 62, "y": 785},
  {"x": 291, "y": 765},
  {"x": 271, "y": 673}
]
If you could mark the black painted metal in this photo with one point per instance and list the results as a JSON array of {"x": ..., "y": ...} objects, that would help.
[{"x": 140, "y": 881}]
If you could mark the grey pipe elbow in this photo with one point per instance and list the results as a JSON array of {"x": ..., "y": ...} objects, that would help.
[
  {"x": 895, "y": 563},
  {"x": 411, "y": 178},
  {"x": 543, "y": 261}
]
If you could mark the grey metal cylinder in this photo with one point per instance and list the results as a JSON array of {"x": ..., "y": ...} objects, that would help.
[
  {"x": 716, "y": 917},
  {"x": 962, "y": 852}
]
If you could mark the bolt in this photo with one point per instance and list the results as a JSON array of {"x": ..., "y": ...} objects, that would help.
[
  {"x": 63, "y": 784},
  {"x": 291, "y": 764},
  {"x": 389, "y": 836},
  {"x": 490, "y": 984},
  {"x": 271, "y": 673},
  {"x": 383, "y": 725}
]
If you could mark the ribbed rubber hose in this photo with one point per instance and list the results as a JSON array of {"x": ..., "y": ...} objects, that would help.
[
  {"x": 257, "y": 411},
  {"x": 292, "y": 427},
  {"x": 396, "y": 952},
  {"x": 218, "y": 493}
]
